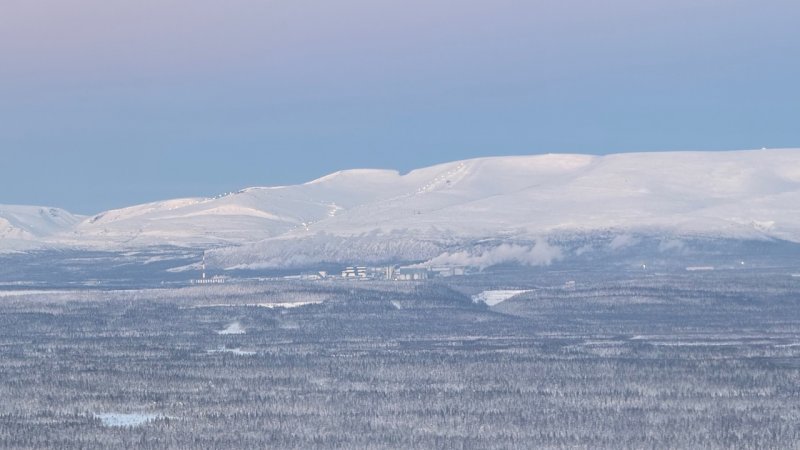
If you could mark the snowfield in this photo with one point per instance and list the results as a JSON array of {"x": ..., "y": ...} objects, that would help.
[
  {"x": 430, "y": 213},
  {"x": 233, "y": 328},
  {"x": 492, "y": 298},
  {"x": 123, "y": 420}
]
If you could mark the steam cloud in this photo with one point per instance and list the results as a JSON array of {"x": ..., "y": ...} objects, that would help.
[{"x": 539, "y": 254}]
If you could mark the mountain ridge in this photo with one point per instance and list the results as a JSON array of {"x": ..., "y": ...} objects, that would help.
[{"x": 751, "y": 194}]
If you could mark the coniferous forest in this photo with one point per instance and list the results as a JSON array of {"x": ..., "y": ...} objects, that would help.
[{"x": 681, "y": 360}]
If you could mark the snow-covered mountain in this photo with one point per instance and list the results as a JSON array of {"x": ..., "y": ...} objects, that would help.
[
  {"x": 24, "y": 227},
  {"x": 525, "y": 203},
  {"x": 430, "y": 211}
]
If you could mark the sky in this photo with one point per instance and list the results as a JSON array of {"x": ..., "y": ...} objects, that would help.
[{"x": 108, "y": 103}]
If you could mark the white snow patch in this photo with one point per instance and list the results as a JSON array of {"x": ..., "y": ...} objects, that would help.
[
  {"x": 492, "y": 298},
  {"x": 126, "y": 420},
  {"x": 700, "y": 268},
  {"x": 256, "y": 305},
  {"x": 699, "y": 343},
  {"x": 289, "y": 305},
  {"x": 186, "y": 268},
  {"x": 234, "y": 328},
  {"x": 22, "y": 292},
  {"x": 234, "y": 351}
]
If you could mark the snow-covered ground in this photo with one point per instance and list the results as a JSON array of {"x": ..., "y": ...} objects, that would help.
[
  {"x": 233, "y": 328},
  {"x": 492, "y": 298},
  {"x": 233, "y": 351},
  {"x": 270, "y": 305},
  {"x": 288, "y": 304},
  {"x": 125, "y": 420}
]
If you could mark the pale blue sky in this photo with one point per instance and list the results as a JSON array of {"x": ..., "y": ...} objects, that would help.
[{"x": 106, "y": 103}]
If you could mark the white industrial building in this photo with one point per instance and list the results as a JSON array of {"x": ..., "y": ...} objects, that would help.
[
  {"x": 411, "y": 273},
  {"x": 355, "y": 273}
]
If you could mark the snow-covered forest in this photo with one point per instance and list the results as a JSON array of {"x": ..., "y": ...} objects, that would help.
[{"x": 609, "y": 360}]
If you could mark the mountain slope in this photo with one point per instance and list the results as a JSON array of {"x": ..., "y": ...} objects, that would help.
[
  {"x": 419, "y": 215},
  {"x": 735, "y": 193},
  {"x": 23, "y": 227},
  {"x": 252, "y": 214},
  {"x": 738, "y": 195}
]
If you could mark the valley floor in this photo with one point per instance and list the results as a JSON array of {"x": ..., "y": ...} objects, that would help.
[{"x": 663, "y": 361}]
